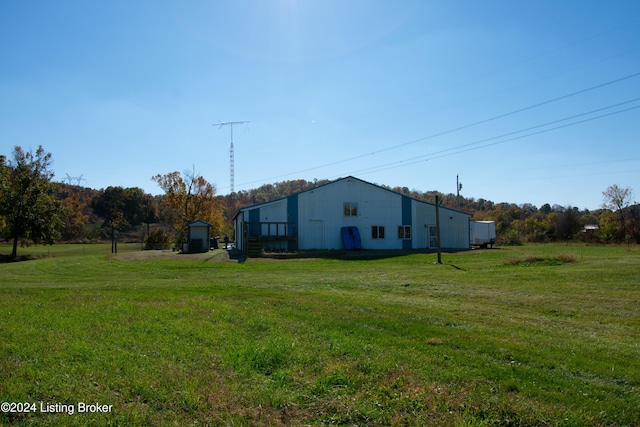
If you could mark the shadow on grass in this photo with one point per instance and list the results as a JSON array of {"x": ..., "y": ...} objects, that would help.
[
  {"x": 236, "y": 255},
  {"x": 4, "y": 259},
  {"x": 358, "y": 255}
]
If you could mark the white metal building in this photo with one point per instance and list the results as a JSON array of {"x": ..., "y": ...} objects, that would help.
[{"x": 313, "y": 219}]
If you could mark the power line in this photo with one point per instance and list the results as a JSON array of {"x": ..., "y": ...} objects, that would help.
[
  {"x": 428, "y": 157},
  {"x": 546, "y": 130},
  {"x": 533, "y": 58},
  {"x": 459, "y": 128},
  {"x": 520, "y": 110},
  {"x": 575, "y": 116}
]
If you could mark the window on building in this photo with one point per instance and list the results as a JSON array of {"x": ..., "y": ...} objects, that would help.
[
  {"x": 377, "y": 232},
  {"x": 404, "y": 232},
  {"x": 350, "y": 209}
]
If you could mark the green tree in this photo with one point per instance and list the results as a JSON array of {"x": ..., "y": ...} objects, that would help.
[
  {"x": 151, "y": 213},
  {"x": 634, "y": 223},
  {"x": 4, "y": 183},
  {"x": 567, "y": 224},
  {"x": 139, "y": 207},
  {"x": 27, "y": 204},
  {"x": 111, "y": 205}
]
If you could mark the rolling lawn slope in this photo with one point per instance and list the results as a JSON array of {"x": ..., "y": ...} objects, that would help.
[{"x": 525, "y": 336}]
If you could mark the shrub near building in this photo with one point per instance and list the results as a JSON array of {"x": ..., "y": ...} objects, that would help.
[{"x": 157, "y": 240}]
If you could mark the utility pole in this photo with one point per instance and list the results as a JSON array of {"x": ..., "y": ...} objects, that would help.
[
  {"x": 438, "y": 229},
  {"x": 231, "y": 154},
  {"x": 458, "y": 188}
]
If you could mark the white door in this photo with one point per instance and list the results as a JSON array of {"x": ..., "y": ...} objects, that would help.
[{"x": 433, "y": 237}]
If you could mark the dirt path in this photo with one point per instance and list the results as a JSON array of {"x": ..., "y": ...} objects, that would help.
[{"x": 217, "y": 255}]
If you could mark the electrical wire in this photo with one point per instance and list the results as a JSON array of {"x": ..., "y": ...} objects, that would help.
[
  {"x": 428, "y": 157},
  {"x": 535, "y": 57},
  {"x": 457, "y": 129},
  {"x": 518, "y": 131}
]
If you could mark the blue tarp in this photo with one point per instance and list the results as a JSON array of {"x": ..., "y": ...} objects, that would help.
[{"x": 351, "y": 238}]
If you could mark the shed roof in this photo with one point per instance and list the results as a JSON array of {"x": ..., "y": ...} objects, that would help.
[{"x": 198, "y": 223}]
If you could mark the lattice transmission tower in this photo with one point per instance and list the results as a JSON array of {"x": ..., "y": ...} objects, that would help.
[{"x": 77, "y": 179}]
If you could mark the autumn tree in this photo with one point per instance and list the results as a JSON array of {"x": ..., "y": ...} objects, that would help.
[
  {"x": 188, "y": 196},
  {"x": 27, "y": 204},
  {"x": 618, "y": 200},
  {"x": 73, "y": 218}
]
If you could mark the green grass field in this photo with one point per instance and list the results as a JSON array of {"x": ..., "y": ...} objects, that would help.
[{"x": 525, "y": 336}]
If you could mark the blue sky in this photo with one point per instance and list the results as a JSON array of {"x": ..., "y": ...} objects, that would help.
[{"x": 528, "y": 101}]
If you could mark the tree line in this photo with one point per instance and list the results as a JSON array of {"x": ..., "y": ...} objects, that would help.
[
  {"x": 36, "y": 209},
  {"x": 618, "y": 221}
]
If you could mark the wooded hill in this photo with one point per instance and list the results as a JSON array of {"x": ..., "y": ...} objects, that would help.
[{"x": 515, "y": 224}]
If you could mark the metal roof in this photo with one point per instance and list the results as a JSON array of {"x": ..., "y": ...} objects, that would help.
[{"x": 246, "y": 208}]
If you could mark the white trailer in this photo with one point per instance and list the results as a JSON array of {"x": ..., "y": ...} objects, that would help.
[{"x": 482, "y": 233}]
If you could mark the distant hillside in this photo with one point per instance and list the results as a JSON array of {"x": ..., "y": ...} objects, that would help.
[
  {"x": 269, "y": 192},
  {"x": 515, "y": 224}
]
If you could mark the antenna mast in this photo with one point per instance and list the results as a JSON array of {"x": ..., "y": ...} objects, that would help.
[{"x": 231, "y": 155}]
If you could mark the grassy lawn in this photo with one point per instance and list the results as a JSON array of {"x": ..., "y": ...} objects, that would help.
[{"x": 525, "y": 336}]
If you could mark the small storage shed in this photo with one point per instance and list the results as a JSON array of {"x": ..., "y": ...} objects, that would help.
[{"x": 198, "y": 236}]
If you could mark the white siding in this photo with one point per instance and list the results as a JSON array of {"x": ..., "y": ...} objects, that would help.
[
  {"x": 423, "y": 215},
  {"x": 455, "y": 229},
  {"x": 320, "y": 217},
  {"x": 200, "y": 233},
  {"x": 325, "y": 205},
  {"x": 454, "y": 226},
  {"x": 276, "y": 212},
  {"x": 240, "y": 218}
]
